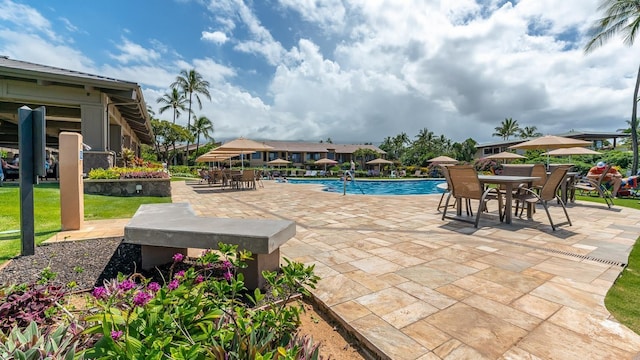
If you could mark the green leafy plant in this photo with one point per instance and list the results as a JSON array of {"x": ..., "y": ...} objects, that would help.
[
  {"x": 31, "y": 344},
  {"x": 46, "y": 275},
  {"x": 200, "y": 313}
]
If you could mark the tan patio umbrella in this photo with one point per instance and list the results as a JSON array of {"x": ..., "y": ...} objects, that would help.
[
  {"x": 572, "y": 151},
  {"x": 548, "y": 142},
  {"x": 379, "y": 162},
  {"x": 505, "y": 155},
  {"x": 241, "y": 144},
  {"x": 326, "y": 162},
  {"x": 279, "y": 162},
  {"x": 443, "y": 160}
]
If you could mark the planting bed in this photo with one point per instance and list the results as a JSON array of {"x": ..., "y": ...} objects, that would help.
[{"x": 85, "y": 263}]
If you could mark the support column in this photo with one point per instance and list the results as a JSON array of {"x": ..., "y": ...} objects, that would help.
[
  {"x": 95, "y": 126},
  {"x": 115, "y": 138}
]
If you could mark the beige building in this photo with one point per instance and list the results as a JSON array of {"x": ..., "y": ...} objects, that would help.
[
  {"x": 109, "y": 113},
  {"x": 303, "y": 153}
]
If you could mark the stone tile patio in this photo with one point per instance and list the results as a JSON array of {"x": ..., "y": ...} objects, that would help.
[{"x": 412, "y": 286}]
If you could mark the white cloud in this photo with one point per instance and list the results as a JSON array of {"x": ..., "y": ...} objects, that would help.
[
  {"x": 216, "y": 37},
  {"x": 375, "y": 68},
  {"x": 32, "y": 48},
  {"x": 131, "y": 52},
  {"x": 328, "y": 14}
]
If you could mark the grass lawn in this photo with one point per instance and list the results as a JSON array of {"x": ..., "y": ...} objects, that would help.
[{"x": 47, "y": 213}]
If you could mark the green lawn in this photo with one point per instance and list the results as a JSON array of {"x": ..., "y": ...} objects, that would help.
[{"x": 47, "y": 213}]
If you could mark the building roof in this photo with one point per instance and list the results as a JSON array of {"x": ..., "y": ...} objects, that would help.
[
  {"x": 126, "y": 96},
  {"x": 300, "y": 146},
  {"x": 583, "y": 135}
]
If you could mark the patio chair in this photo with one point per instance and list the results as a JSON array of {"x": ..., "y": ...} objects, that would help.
[
  {"x": 586, "y": 185},
  {"x": 539, "y": 171},
  {"x": 466, "y": 185},
  {"x": 446, "y": 189},
  {"x": 248, "y": 179},
  {"x": 548, "y": 192}
]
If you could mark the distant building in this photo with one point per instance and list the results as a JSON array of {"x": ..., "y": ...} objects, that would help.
[
  {"x": 305, "y": 153},
  {"x": 596, "y": 138}
]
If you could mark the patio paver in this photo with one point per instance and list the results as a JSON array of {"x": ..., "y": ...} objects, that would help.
[{"x": 416, "y": 287}]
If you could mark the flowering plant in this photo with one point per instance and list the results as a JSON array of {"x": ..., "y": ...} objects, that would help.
[{"x": 200, "y": 313}]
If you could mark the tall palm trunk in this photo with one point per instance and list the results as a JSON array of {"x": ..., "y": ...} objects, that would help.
[
  {"x": 174, "y": 143},
  {"x": 197, "y": 141},
  {"x": 186, "y": 158},
  {"x": 634, "y": 126}
]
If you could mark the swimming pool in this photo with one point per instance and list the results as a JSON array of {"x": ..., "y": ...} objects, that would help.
[{"x": 377, "y": 187}]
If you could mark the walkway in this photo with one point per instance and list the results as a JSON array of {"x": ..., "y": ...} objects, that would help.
[{"x": 415, "y": 287}]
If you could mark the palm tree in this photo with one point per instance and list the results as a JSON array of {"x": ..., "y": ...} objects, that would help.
[
  {"x": 508, "y": 127},
  {"x": 530, "y": 132},
  {"x": 174, "y": 100},
  {"x": 192, "y": 83},
  {"x": 201, "y": 126},
  {"x": 620, "y": 16}
]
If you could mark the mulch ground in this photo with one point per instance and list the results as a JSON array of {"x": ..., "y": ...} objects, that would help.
[{"x": 85, "y": 262}]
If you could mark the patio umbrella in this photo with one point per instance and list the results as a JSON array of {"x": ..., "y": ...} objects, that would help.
[
  {"x": 550, "y": 142},
  {"x": 279, "y": 162},
  {"x": 379, "y": 162},
  {"x": 505, "y": 155},
  {"x": 572, "y": 151},
  {"x": 443, "y": 160},
  {"x": 326, "y": 162},
  {"x": 242, "y": 145}
]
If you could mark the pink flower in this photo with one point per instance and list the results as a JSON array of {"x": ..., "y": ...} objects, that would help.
[
  {"x": 127, "y": 285},
  {"x": 178, "y": 257},
  {"x": 153, "y": 287},
  {"x": 141, "y": 298},
  {"x": 227, "y": 275},
  {"x": 226, "y": 264},
  {"x": 174, "y": 284},
  {"x": 199, "y": 279},
  {"x": 99, "y": 293},
  {"x": 179, "y": 274},
  {"x": 115, "y": 335}
]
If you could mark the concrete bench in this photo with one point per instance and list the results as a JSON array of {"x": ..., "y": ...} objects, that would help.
[{"x": 165, "y": 229}]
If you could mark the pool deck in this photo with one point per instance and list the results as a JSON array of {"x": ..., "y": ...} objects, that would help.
[{"x": 412, "y": 286}]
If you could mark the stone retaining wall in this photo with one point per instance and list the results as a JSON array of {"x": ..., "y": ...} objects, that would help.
[{"x": 127, "y": 187}]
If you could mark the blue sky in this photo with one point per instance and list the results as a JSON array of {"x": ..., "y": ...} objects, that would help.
[{"x": 354, "y": 71}]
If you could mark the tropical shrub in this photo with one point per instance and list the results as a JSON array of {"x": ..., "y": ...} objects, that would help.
[
  {"x": 203, "y": 312},
  {"x": 154, "y": 172},
  {"x": 487, "y": 165},
  {"x": 31, "y": 344}
]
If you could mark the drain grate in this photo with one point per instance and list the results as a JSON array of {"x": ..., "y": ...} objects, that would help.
[
  {"x": 585, "y": 257},
  {"x": 565, "y": 253}
]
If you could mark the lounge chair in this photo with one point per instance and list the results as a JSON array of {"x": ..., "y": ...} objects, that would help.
[
  {"x": 308, "y": 173},
  {"x": 464, "y": 184},
  {"x": 586, "y": 185},
  {"x": 548, "y": 192}
]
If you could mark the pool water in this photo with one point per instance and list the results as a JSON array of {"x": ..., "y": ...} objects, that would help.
[{"x": 377, "y": 187}]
